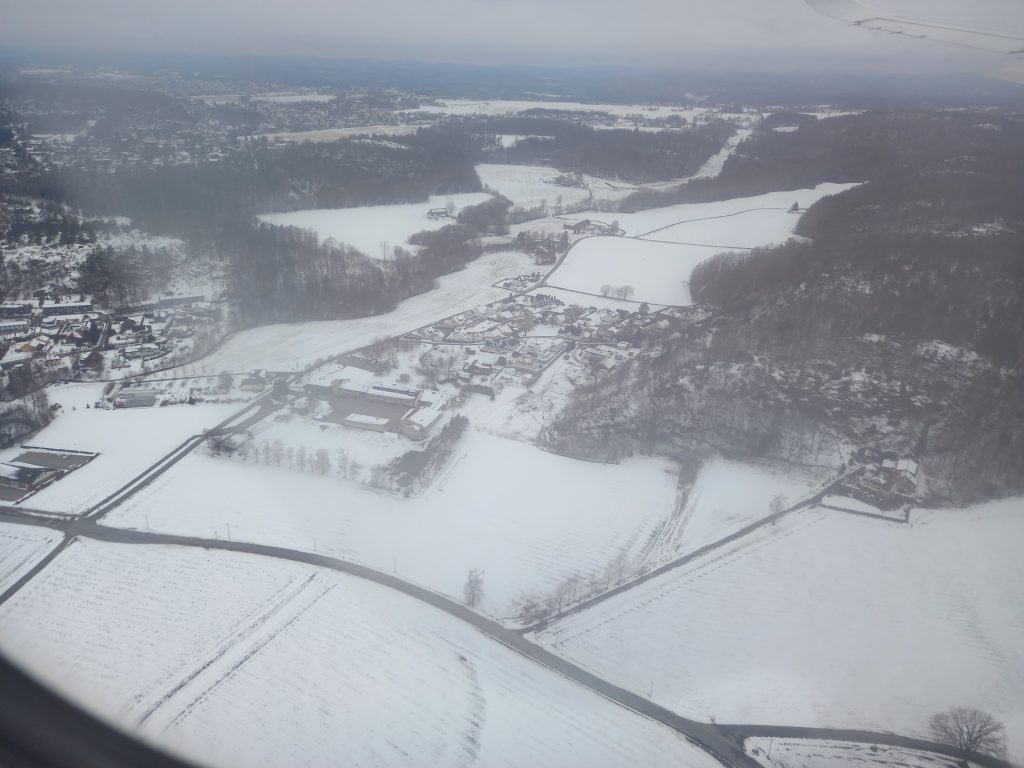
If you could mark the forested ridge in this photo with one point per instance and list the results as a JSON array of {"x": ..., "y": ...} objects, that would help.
[
  {"x": 881, "y": 146},
  {"x": 188, "y": 200},
  {"x": 611, "y": 153},
  {"x": 895, "y": 323}
]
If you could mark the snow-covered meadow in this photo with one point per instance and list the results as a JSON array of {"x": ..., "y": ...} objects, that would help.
[
  {"x": 528, "y": 186},
  {"x": 512, "y": 106},
  {"x": 810, "y": 753},
  {"x": 297, "y": 345},
  {"x": 658, "y": 272},
  {"x": 127, "y": 441},
  {"x": 828, "y": 619},
  {"x": 336, "y": 134},
  {"x": 534, "y": 521},
  {"x": 233, "y": 659},
  {"x": 677, "y": 238},
  {"x": 727, "y": 496},
  {"x": 704, "y": 222},
  {"x": 21, "y": 547},
  {"x": 367, "y": 227}
]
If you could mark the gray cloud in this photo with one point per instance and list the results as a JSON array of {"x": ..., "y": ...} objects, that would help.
[{"x": 762, "y": 33}]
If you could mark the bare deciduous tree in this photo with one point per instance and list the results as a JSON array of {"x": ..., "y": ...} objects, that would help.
[
  {"x": 473, "y": 590},
  {"x": 969, "y": 729}
]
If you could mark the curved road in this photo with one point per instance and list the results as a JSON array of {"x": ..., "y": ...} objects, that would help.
[{"x": 725, "y": 742}]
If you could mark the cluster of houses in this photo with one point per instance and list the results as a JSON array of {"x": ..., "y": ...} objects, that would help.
[
  {"x": 62, "y": 338},
  {"x": 136, "y": 148},
  {"x": 887, "y": 481},
  {"x": 542, "y": 314},
  {"x": 360, "y": 400},
  {"x": 516, "y": 340}
]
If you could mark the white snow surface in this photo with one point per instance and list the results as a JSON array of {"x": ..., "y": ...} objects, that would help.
[
  {"x": 127, "y": 440},
  {"x": 658, "y": 272},
  {"x": 736, "y": 227},
  {"x": 235, "y": 660},
  {"x": 811, "y": 753},
  {"x": 21, "y": 547},
  {"x": 530, "y": 519},
  {"x": 334, "y": 134},
  {"x": 366, "y": 227},
  {"x": 525, "y": 185},
  {"x": 511, "y": 106},
  {"x": 828, "y": 619},
  {"x": 676, "y": 239},
  {"x": 728, "y": 495},
  {"x": 570, "y": 297},
  {"x": 296, "y": 345}
]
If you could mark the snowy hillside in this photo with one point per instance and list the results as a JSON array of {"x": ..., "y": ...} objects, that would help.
[
  {"x": 365, "y": 228},
  {"x": 239, "y": 660},
  {"x": 534, "y": 521},
  {"x": 809, "y": 621},
  {"x": 21, "y": 547}
]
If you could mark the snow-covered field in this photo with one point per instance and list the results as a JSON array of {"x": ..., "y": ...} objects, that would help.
[
  {"x": 658, "y": 272},
  {"x": 21, "y": 547},
  {"x": 828, "y": 619},
  {"x": 809, "y": 753},
  {"x": 508, "y": 107},
  {"x": 714, "y": 164},
  {"x": 297, "y": 345},
  {"x": 532, "y": 520},
  {"x": 334, "y": 134},
  {"x": 525, "y": 185},
  {"x": 730, "y": 495},
  {"x": 366, "y": 227},
  {"x": 570, "y": 297},
  {"x": 236, "y": 660},
  {"x": 732, "y": 231},
  {"x": 676, "y": 239},
  {"x": 127, "y": 441},
  {"x": 747, "y": 229}
]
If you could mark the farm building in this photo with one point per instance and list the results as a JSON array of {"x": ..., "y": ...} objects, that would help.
[
  {"x": 136, "y": 397},
  {"x": 364, "y": 421},
  {"x": 388, "y": 394},
  {"x": 25, "y": 476},
  {"x": 254, "y": 382},
  {"x": 418, "y": 422}
]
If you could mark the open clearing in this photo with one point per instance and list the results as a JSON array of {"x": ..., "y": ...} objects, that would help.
[
  {"x": 291, "y": 346},
  {"x": 240, "y": 660},
  {"x": 525, "y": 185},
  {"x": 532, "y": 520},
  {"x": 675, "y": 240},
  {"x": 727, "y": 496},
  {"x": 736, "y": 231},
  {"x": 127, "y": 441},
  {"x": 509, "y": 107},
  {"x": 366, "y": 227},
  {"x": 809, "y": 753},
  {"x": 21, "y": 547},
  {"x": 827, "y": 619},
  {"x": 659, "y": 273},
  {"x": 334, "y": 134}
]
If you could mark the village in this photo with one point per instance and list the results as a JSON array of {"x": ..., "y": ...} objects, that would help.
[{"x": 52, "y": 338}]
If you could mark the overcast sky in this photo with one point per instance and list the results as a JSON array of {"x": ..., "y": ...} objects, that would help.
[{"x": 759, "y": 34}]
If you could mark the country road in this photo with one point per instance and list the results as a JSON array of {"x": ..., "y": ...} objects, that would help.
[
  {"x": 703, "y": 734},
  {"x": 723, "y": 741}
]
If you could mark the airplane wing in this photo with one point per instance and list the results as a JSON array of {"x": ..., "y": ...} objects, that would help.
[
  {"x": 1010, "y": 43},
  {"x": 862, "y": 16}
]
